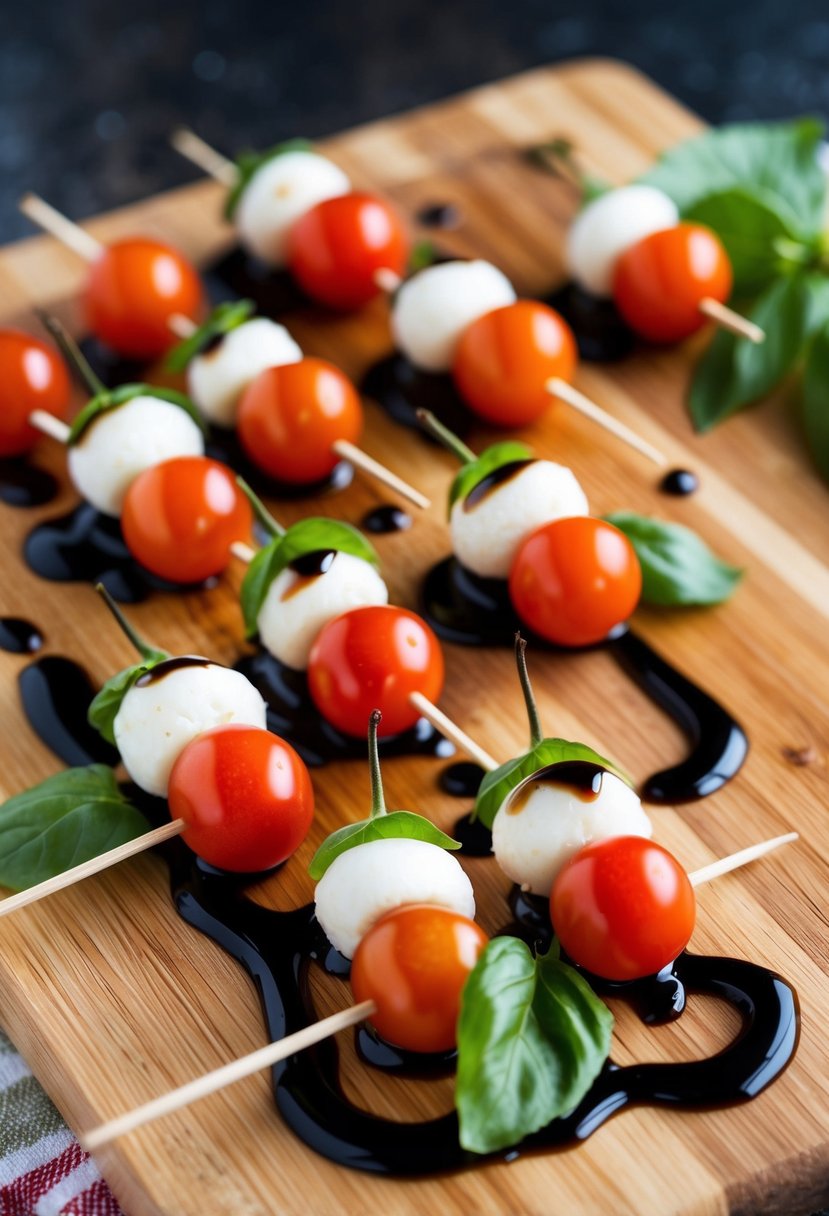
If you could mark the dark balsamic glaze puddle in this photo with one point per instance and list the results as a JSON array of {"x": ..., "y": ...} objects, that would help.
[
  {"x": 679, "y": 482},
  {"x": 386, "y": 518},
  {"x": 462, "y": 780},
  {"x": 111, "y": 368},
  {"x": 56, "y": 694},
  {"x": 472, "y": 611},
  {"x": 223, "y": 445},
  {"x": 601, "y": 334},
  {"x": 292, "y": 714},
  {"x": 18, "y": 636},
  {"x": 236, "y": 274},
  {"x": 440, "y": 215},
  {"x": 24, "y": 485},
  {"x": 402, "y": 389}
]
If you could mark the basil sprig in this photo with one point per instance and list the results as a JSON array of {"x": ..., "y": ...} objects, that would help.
[
  {"x": 104, "y": 708},
  {"x": 473, "y": 468},
  {"x": 66, "y": 820},
  {"x": 110, "y": 399},
  {"x": 497, "y": 785},
  {"x": 381, "y": 824},
  {"x": 248, "y": 163},
  {"x": 532, "y": 1038},
  {"x": 224, "y": 318},
  {"x": 678, "y": 568}
]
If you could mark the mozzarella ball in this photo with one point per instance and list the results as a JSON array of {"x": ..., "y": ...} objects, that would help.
[
  {"x": 545, "y": 820},
  {"x": 164, "y": 710},
  {"x": 278, "y": 194},
  {"x": 298, "y": 605},
  {"x": 487, "y": 531},
  {"x": 217, "y": 378},
  {"x": 433, "y": 308},
  {"x": 608, "y": 226},
  {"x": 123, "y": 442},
  {"x": 369, "y": 880}
]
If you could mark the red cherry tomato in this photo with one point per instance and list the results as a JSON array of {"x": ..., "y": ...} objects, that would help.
[
  {"x": 623, "y": 907},
  {"x": 180, "y": 518},
  {"x": 290, "y": 416},
  {"x": 336, "y": 248},
  {"x": 32, "y": 377},
  {"x": 413, "y": 963},
  {"x": 374, "y": 658},
  {"x": 245, "y": 796},
  {"x": 574, "y": 579},
  {"x": 660, "y": 282},
  {"x": 505, "y": 358},
  {"x": 134, "y": 288}
]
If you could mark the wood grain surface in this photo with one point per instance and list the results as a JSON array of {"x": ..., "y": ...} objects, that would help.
[{"x": 112, "y": 999}]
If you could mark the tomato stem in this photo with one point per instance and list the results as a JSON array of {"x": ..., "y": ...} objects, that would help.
[
  {"x": 146, "y": 652},
  {"x": 378, "y": 801},
  {"x": 448, "y": 438},
  {"x": 536, "y": 733},
  {"x": 69, "y": 348},
  {"x": 559, "y": 158},
  {"x": 271, "y": 525}
]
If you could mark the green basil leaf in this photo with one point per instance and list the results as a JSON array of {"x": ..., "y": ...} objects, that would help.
[
  {"x": 310, "y": 535},
  {"x": 397, "y": 825},
  {"x": 102, "y": 403},
  {"x": 424, "y": 253},
  {"x": 532, "y": 1038},
  {"x": 224, "y": 318},
  {"x": 248, "y": 163},
  {"x": 779, "y": 159},
  {"x": 678, "y": 568},
  {"x": 66, "y": 820},
  {"x": 497, "y": 785},
  {"x": 734, "y": 372},
  {"x": 490, "y": 459},
  {"x": 104, "y": 708},
  {"x": 760, "y": 243},
  {"x": 816, "y": 399}
]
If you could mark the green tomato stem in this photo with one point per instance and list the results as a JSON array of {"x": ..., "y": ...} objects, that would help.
[
  {"x": 378, "y": 801},
  {"x": 271, "y": 525},
  {"x": 448, "y": 438},
  {"x": 557, "y": 157},
  {"x": 70, "y": 349},
  {"x": 146, "y": 652},
  {"x": 536, "y": 733}
]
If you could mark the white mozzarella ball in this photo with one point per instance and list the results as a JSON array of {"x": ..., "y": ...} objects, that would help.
[
  {"x": 371, "y": 879},
  {"x": 433, "y": 308},
  {"x": 487, "y": 531},
  {"x": 544, "y": 821},
  {"x": 608, "y": 226},
  {"x": 298, "y": 605},
  {"x": 123, "y": 442},
  {"x": 217, "y": 379},
  {"x": 163, "y": 711},
  {"x": 278, "y": 194}
]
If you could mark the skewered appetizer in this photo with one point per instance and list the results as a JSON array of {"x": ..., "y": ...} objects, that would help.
[{"x": 32, "y": 377}]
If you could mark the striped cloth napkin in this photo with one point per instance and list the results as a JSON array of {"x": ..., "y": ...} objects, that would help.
[{"x": 43, "y": 1169}]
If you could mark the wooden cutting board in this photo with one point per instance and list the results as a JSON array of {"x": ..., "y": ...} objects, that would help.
[{"x": 113, "y": 1000}]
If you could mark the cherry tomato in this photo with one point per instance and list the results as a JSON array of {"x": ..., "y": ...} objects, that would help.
[
  {"x": 413, "y": 963},
  {"x": 134, "y": 288},
  {"x": 245, "y": 796},
  {"x": 290, "y": 416},
  {"x": 574, "y": 579},
  {"x": 180, "y": 518},
  {"x": 336, "y": 248},
  {"x": 505, "y": 358},
  {"x": 32, "y": 377},
  {"x": 623, "y": 907},
  {"x": 374, "y": 658},
  {"x": 660, "y": 282}
]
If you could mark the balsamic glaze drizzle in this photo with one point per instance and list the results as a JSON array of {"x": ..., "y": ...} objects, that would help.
[
  {"x": 440, "y": 215},
  {"x": 24, "y": 485},
  {"x": 401, "y": 389},
  {"x": 679, "y": 482},
  {"x": 386, "y": 518},
  {"x": 601, "y": 334},
  {"x": 18, "y": 636},
  {"x": 56, "y": 694}
]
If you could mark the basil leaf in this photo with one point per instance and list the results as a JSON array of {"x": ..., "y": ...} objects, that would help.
[
  {"x": 497, "y": 785},
  {"x": 104, "y": 708},
  {"x": 779, "y": 159},
  {"x": 248, "y": 163},
  {"x": 424, "y": 253},
  {"x": 224, "y": 318},
  {"x": 308, "y": 536},
  {"x": 532, "y": 1038},
  {"x": 490, "y": 459},
  {"x": 102, "y": 403},
  {"x": 66, "y": 820},
  {"x": 677, "y": 566},
  {"x": 397, "y": 825},
  {"x": 816, "y": 399},
  {"x": 733, "y": 372}
]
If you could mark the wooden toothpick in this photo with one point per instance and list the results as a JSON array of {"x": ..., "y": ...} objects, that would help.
[
  {"x": 193, "y": 148},
  {"x": 560, "y": 388},
  {"x": 742, "y": 858},
  {"x": 43, "y": 421},
  {"x": 245, "y": 553},
  {"x": 728, "y": 319},
  {"x": 451, "y": 731},
  {"x": 388, "y": 280},
  {"x": 181, "y": 326},
  {"x": 367, "y": 464},
  {"x": 65, "y": 230}
]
